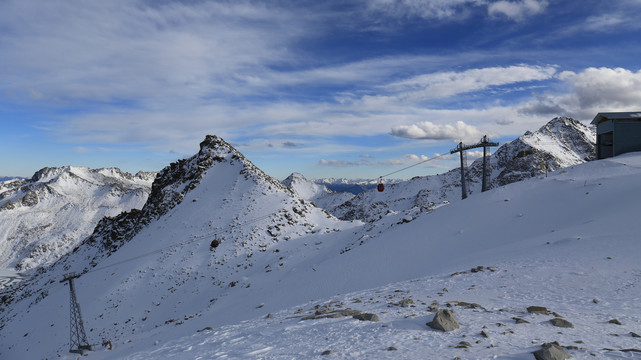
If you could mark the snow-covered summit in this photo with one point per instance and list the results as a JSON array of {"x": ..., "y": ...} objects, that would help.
[
  {"x": 44, "y": 217},
  {"x": 560, "y": 143},
  {"x": 319, "y": 194},
  {"x": 303, "y": 187}
]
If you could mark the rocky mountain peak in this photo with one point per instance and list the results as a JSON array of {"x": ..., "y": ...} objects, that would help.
[
  {"x": 48, "y": 173},
  {"x": 174, "y": 182}
]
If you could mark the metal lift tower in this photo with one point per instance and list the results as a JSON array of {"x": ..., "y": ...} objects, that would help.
[
  {"x": 485, "y": 143},
  {"x": 78, "y": 336}
]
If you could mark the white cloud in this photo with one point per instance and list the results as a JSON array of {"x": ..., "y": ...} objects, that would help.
[
  {"x": 149, "y": 54},
  {"x": 474, "y": 154},
  {"x": 610, "y": 17},
  {"x": 427, "y": 9},
  {"x": 455, "y": 10},
  {"x": 428, "y": 130},
  {"x": 81, "y": 149},
  {"x": 414, "y": 157},
  {"x": 517, "y": 10},
  {"x": 446, "y": 84},
  {"x": 592, "y": 91}
]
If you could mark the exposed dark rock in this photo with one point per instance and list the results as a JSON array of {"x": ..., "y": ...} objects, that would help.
[
  {"x": 463, "y": 345},
  {"x": 518, "y": 320},
  {"x": 366, "y": 317},
  {"x": 615, "y": 322},
  {"x": 558, "y": 322},
  {"x": 30, "y": 199},
  {"x": 406, "y": 303},
  {"x": 550, "y": 351},
  {"x": 328, "y": 352},
  {"x": 468, "y": 305},
  {"x": 539, "y": 310},
  {"x": 330, "y": 314},
  {"x": 444, "y": 320}
]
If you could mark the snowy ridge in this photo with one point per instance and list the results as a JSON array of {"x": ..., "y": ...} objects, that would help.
[
  {"x": 48, "y": 215},
  {"x": 560, "y": 143},
  {"x": 319, "y": 194}
]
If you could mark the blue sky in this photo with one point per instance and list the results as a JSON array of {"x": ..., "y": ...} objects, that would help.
[{"x": 352, "y": 89}]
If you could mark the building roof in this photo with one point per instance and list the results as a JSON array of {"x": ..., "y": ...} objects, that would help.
[{"x": 601, "y": 117}]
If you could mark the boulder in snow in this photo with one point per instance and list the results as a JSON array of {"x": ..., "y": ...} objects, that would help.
[
  {"x": 444, "y": 320},
  {"x": 366, "y": 317},
  {"x": 550, "y": 351},
  {"x": 540, "y": 310},
  {"x": 558, "y": 322}
]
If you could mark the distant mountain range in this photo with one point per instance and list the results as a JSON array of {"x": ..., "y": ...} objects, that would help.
[
  {"x": 7, "y": 178},
  {"x": 353, "y": 186},
  {"x": 46, "y": 216}
]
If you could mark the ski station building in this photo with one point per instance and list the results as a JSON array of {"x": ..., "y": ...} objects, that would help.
[{"x": 617, "y": 133}]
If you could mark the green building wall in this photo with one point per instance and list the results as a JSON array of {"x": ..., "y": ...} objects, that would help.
[{"x": 624, "y": 135}]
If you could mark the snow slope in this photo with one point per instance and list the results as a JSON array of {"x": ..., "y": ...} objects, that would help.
[
  {"x": 568, "y": 242},
  {"x": 45, "y": 217},
  {"x": 560, "y": 242}
]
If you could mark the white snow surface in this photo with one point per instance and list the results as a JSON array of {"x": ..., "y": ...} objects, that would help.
[
  {"x": 45, "y": 217},
  {"x": 568, "y": 242},
  {"x": 319, "y": 194}
]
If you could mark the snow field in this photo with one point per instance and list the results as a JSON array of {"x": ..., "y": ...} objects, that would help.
[{"x": 560, "y": 242}]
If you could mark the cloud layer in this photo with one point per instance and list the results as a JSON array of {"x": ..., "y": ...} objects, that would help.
[
  {"x": 592, "y": 90},
  {"x": 430, "y": 131},
  {"x": 311, "y": 78}
]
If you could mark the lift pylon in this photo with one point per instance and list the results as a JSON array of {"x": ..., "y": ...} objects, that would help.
[
  {"x": 78, "y": 342},
  {"x": 484, "y": 143}
]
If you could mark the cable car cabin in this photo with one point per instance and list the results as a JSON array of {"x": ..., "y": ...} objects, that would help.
[{"x": 380, "y": 187}]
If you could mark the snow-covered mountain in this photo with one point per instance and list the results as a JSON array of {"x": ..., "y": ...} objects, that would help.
[
  {"x": 7, "y": 178},
  {"x": 317, "y": 193},
  {"x": 287, "y": 277},
  {"x": 157, "y": 261},
  {"x": 560, "y": 143},
  {"x": 46, "y": 216}
]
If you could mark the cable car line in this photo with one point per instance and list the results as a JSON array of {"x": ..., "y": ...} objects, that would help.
[{"x": 411, "y": 166}]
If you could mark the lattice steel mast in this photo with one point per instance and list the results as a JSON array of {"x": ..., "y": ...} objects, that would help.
[{"x": 78, "y": 342}]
